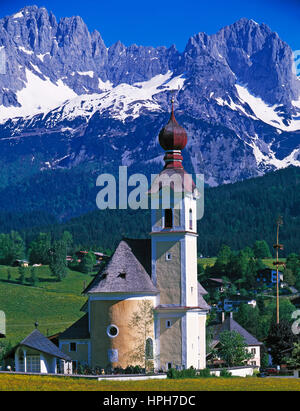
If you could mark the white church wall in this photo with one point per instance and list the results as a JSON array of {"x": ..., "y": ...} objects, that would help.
[
  {"x": 192, "y": 333},
  {"x": 191, "y": 288}
]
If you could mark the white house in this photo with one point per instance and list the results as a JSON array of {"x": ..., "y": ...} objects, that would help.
[
  {"x": 37, "y": 354},
  {"x": 252, "y": 344}
]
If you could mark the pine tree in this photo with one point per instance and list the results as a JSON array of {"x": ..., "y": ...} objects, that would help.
[
  {"x": 58, "y": 263},
  {"x": 34, "y": 278},
  {"x": 261, "y": 249},
  {"x": 87, "y": 263},
  {"x": 279, "y": 340},
  {"x": 39, "y": 249},
  {"x": 22, "y": 274},
  {"x": 8, "y": 274}
]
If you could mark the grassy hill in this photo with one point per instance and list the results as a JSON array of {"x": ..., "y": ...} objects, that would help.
[
  {"x": 55, "y": 305},
  {"x": 211, "y": 261}
]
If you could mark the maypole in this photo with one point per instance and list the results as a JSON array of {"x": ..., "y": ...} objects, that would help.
[{"x": 277, "y": 247}]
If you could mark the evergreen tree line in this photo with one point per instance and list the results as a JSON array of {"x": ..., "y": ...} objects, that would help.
[
  {"x": 43, "y": 250},
  {"x": 234, "y": 214}
]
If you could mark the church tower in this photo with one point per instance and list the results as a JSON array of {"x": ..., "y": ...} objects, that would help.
[
  {"x": 181, "y": 310},
  {"x": 142, "y": 277}
]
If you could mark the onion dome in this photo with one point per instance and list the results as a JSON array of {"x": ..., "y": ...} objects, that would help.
[{"x": 173, "y": 139}]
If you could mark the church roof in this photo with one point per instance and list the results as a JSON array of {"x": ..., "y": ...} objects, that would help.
[
  {"x": 201, "y": 290},
  {"x": 201, "y": 302},
  {"x": 172, "y": 136},
  {"x": 128, "y": 270},
  {"x": 39, "y": 342},
  {"x": 78, "y": 331},
  {"x": 231, "y": 325}
]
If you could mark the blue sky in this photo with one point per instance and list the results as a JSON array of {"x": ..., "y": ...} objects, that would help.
[{"x": 160, "y": 22}]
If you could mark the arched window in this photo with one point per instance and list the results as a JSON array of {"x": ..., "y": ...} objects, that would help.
[
  {"x": 149, "y": 349},
  {"x": 168, "y": 218},
  {"x": 191, "y": 219}
]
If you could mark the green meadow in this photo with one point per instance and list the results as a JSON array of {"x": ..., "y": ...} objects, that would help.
[
  {"x": 210, "y": 261},
  {"x": 10, "y": 382},
  {"x": 55, "y": 305}
]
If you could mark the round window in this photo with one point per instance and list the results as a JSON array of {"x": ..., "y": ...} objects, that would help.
[{"x": 112, "y": 330}]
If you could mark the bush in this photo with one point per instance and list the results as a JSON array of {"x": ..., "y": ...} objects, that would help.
[
  {"x": 80, "y": 369},
  {"x": 225, "y": 373},
  {"x": 205, "y": 373},
  {"x": 86, "y": 370},
  {"x": 134, "y": 370},
  {"x": 176, "y": 374},
  {"x": 108, "y": 370}
]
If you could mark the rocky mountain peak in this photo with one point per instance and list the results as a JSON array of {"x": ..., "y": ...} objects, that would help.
[{"x": 235, "y": 91}]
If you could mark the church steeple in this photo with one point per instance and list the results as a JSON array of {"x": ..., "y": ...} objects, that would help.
[
  {"x": 180, "y": 316},
  {"x": 173, "y": 139}
]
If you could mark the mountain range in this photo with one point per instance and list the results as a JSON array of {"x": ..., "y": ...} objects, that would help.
[{"x": 68, "y": 103}]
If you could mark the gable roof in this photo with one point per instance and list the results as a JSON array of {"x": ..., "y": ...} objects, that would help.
[
  {"x": 201, "y": 289},
  {"x": 128, "y": 270},
  {"x": 231, "y": 325},
  {"x": 201, "y": 302},
  {"x": 78, "y": 331},
  {"x": 39, "y": 342}
]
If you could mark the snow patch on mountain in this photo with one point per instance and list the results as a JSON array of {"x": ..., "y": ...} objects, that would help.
[
  {"x": 265, "y": 112},
  {"x": 38, "y": 96},
  {"x": 122, "y": 101},
  {"x": 233, "y": 106},
  {"x": 42, "y": 56},
  {"x": 18, "y": 15},
  {"x": 270, "y": 158},
  {"x": 29, "y": 52},
  {"x": 86, "y": 73},
  {"x": 104, "y": 85},
  {"x": 296, "y": 103}
]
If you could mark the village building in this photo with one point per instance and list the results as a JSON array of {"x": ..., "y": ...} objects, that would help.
[
  {"x": 233, "y": 303},
  {"x": 161, "y": 270},
  {"x": 37, "y": 354},
  {"x": 268, "y": 277},
  {"x": 229, "y": 324},
  {"x": 81, "y": 254},
  {"x": 216, "y": 284},
  {"x": 20, "y": 263}
]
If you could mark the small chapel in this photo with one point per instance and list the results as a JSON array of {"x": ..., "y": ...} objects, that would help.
[{"x": 160, "y": 273}]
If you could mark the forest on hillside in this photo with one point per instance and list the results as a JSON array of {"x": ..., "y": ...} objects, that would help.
[{"x": 235, "y": 214}]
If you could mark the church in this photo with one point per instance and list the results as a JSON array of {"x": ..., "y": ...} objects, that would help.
[{"x": 153, "y": 281}]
